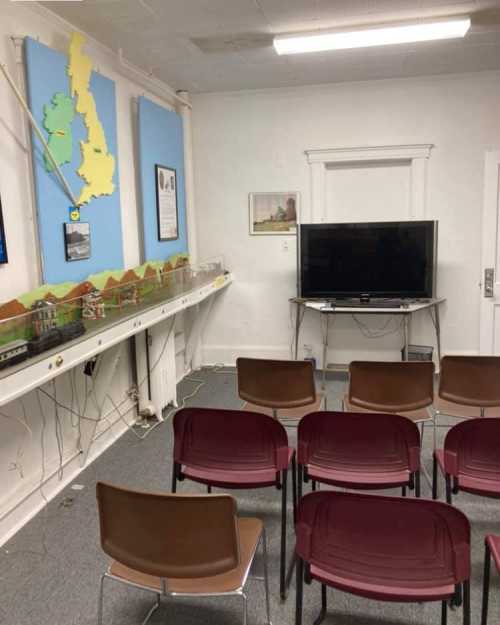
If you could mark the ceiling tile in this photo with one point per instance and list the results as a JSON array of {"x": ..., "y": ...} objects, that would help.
[{"x": 213, "y": 45}]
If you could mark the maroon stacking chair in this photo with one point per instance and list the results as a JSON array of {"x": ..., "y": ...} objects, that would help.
[
  {"x": 234, "y": 449},
  {"x": 359, "y": 450},
  {"x": 383, "y": 548},
  {"x": 470, "y": 460},
  {"x": 491, "y": 548}
]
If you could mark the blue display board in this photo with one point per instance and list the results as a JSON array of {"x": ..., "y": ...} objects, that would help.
[
  {"x": 3, "y": 244},
  {"x": 161, "y": 142},
  {"x": 47, "y": 75}
]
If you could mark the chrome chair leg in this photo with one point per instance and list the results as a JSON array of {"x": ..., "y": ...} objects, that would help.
[
  {"x": 100, "y": 600},
  {"x": 152, "y": 610},
  {"x": 244, "y": 597},
  {"x": 266, "y": 578}
]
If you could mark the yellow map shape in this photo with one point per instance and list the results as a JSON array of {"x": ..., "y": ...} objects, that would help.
[{"x": 98, "y": 165}]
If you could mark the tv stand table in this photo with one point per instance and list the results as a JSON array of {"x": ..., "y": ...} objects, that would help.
[{"x": 407, "y": 310}]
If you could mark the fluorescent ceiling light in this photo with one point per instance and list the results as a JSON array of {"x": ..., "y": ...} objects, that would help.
[{"x": 372, "y": 36}]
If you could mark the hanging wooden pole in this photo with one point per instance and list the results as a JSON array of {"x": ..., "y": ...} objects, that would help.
[{"x": 38, "y": 133}]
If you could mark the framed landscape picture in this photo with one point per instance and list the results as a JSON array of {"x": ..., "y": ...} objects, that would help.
[
  {"x": 3, "y": 243},
  {"x": 273, "y": 213},
  {"x": 166, "y": 203}
]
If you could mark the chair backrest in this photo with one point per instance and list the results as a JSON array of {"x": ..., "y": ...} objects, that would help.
[
  {"x": 355, "y": 534},
  {"x": 391, "y": 386},
  {"x": 276, "y": 384},
  {"x": 229, "y": 440},
  {"x": 182, "y": 536},
  {"x": 358, "y": 439},
  {"x": 472, "y": 448},
  {"x": 470, "y": 380}
]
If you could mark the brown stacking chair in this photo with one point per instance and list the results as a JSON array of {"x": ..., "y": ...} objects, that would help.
[
  {"x": 178, "y": 545},
  {"x": 404, "y": 388},
  {"x": 469, "y": 386},
  {"x": 283, "y": 389}
]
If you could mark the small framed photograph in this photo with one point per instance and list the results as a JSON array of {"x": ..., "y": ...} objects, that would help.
[
  {"x": 273, "y": 213},
  {"x": 3, "y": 245},
  {"x": 77, "y": 240},
  {"x": 166, "y": 203}
]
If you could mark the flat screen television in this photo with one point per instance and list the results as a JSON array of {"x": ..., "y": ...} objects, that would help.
[{"x": 393, "y": 259}]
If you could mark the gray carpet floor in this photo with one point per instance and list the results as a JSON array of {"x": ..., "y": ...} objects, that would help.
[{"x": 49, "y": 572}]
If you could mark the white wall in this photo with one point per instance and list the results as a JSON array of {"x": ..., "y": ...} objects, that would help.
[
  {"x": 21, "y": 467},
  {"x": 255, "y": 141}
]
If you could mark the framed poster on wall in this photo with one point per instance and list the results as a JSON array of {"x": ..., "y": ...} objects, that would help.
[
  {"x": 166, "y": 203},
  {"x": 3, "y": 244}
]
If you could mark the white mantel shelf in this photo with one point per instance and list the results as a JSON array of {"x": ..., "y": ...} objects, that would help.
[
  {"x": 370, "y": 153},
  {"x": 28, "y": 375}
]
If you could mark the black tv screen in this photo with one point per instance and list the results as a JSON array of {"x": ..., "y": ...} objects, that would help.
[{"x": 378, "y": 260}]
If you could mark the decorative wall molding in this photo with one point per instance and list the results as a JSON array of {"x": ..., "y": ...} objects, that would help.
[
  {"x": 370, "y": 153},
  {"x": 416, "y": 155}
]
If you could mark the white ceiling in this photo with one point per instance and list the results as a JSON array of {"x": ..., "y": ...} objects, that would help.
[{"x": 223, "y": 45}]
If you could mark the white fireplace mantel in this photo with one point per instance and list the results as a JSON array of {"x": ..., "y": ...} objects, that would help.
[{"x": 320, "y": 160}]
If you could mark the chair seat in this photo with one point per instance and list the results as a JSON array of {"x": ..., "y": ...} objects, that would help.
[
  {"x": 400, "y": 591},
  {"x": 417, "y": 416},
  {"x": 471, "y": 483},
  {"x": 462, "y": 411},
  {"x": 494, "y": 546},
  {"x": 249, "y": 530},
  {"x": 233, "y": 478},
  {"x": 365, "y": 478},
  {"x": 288, "y": 414}
]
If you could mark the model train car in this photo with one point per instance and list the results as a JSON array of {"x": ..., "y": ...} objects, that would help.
[
  {"x": 13, "y": 352},
  {"x": 56, "y": 336},
  {"x": 17, "y": 351}
]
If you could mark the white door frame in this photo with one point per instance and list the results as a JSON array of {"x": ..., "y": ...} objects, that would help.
[
  {"x": 490, "y": 251},
  {"x": 417, "y": 156}
]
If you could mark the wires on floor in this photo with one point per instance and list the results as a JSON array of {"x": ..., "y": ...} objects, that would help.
[{"x": 200, "y": 383}]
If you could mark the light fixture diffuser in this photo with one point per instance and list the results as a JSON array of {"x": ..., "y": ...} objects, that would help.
[{"x": 372, "y": 36}]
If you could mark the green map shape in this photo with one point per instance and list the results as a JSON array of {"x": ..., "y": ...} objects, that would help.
[{"x": 57, "y": 120}]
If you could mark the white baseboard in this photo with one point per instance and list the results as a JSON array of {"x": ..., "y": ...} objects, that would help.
[{"x": 227, "y": 354}]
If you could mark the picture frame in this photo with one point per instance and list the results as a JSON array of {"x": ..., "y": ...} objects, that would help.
[
  {"x": 77, "y": 241},
  {"x": 273, "y": 213},
  {"x": 167, "y": 210},
  {"x": 4, "y": 259}
]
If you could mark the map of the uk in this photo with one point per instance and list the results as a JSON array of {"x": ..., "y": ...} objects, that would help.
[{"x": 98, "y": 165}]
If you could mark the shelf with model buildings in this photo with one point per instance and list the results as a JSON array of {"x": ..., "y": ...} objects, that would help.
[{"x": 54, "y": 314}]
